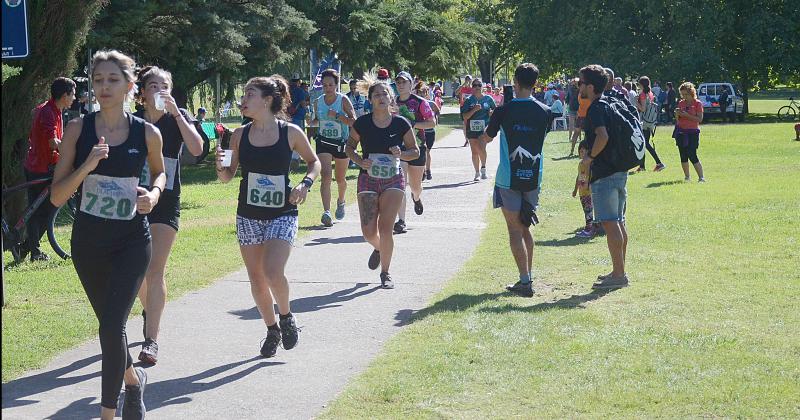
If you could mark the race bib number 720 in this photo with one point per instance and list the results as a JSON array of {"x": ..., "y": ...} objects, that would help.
[{"x": 109, "y": 197}]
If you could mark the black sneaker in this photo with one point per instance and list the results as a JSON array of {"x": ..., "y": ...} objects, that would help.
[
  {"x": 270, "y": 344},
  {"x": 400, "y": 227},
  {"x": 289, "y": 332},
  {"x": 428, "y": 175},
  {"x": 133, "y": 408},
  {"x": 149, "y": 353},
  {"x": 522, "y": 289},
  {"x": 374, "y": 259},
  {"x": 417, "y": 206},
  {"x": 386, "y": 281},
  {"x": 39, "y": 256}
]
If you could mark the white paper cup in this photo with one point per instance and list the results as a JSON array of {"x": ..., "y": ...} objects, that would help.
[
  {"x": 226, "y": 158},
  {"x": 160, "y": 102}
]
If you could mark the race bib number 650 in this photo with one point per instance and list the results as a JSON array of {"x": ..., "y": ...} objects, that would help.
[
  {"x": 266, "y": 190},
  {"x": 109, "y": 197}
]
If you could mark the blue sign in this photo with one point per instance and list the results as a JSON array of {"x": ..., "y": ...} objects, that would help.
[{"x": 15, "y": 29}]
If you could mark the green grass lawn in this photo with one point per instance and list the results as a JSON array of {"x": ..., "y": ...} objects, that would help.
[
  {"x": 47, "y": 311},
  {"x": 709, "y": 327}
]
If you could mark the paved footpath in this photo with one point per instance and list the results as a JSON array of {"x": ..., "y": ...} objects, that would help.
[{"x": 209, "y": 365}]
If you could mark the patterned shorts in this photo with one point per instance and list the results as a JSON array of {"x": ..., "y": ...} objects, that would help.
[
  {"x": 254, "y": 231},
  {"x": 369, "y": 184}
]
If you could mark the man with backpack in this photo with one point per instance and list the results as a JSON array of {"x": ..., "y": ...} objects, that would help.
[{"x": 616, "y": 145}]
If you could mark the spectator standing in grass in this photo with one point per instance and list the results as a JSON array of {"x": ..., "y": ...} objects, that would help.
[{"x": 689, "y": 115}]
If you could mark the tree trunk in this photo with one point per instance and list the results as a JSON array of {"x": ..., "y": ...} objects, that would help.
[{"x": 485, "y": 67}]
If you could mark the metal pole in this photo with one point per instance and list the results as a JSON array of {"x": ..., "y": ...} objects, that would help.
[
  {"x": 217, "y": 100},
  {"x": 90, "y": 106}
]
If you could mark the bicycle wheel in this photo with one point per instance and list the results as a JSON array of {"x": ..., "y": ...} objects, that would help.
[
  {"x": 786, "y": 113},
  {"x": 59, "y": 228}
]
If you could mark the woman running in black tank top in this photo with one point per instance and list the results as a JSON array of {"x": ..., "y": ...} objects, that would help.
[
  {"x": 266, "y": 218},
  {"x": 381, "y": 186},
  {"x": 165, "y": 216},
  {"x": 102, "y": 156}
]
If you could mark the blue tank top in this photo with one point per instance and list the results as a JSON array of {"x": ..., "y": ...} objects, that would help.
[
  {"x": 106, "y": 209},
  {"x": 329, "y": 127},
  {"x": 264, "y": 188}
]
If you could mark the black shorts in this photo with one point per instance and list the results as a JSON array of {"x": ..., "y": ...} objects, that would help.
[
  {"x": 430, "y": 138},
  {"x": 420, "y": 161},
  {"x": 167, "y": 211},
  {"x": 331, "y": 147}
]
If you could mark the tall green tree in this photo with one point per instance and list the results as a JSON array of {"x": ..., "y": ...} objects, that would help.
[
  {"x": 196, "y": 39},
  {"x": 56, "y": 30}
]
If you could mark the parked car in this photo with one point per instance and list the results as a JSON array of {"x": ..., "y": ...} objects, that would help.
[{"x": 708, "y": 93}]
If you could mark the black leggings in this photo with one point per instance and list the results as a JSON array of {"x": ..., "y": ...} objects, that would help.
[
  {"x": 111, "y": 277},
  {"x": 688, "y": 153},
  {"x": 650, "y": 148}
]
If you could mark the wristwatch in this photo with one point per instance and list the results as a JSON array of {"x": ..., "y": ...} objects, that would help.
[{"x": 308, "y": 182}]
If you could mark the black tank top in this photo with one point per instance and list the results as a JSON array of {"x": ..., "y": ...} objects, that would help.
[
  {"x": 379, "y": 140},
  {"x": 124, "y": 162},
  {"x": 264, "y": 188},
  {"x": 171, "y": 149}
]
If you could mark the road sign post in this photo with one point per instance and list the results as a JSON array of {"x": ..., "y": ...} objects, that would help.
[{"x": 15, "y": 29}]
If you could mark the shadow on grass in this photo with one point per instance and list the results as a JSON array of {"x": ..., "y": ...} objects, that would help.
[
  {"x": 663, "y": 183},
  {"x": 314, "y": 303},
  {"x": 454, "y": 303},
  {"x": 572, "y": 157},
  {"x": 172, "y": 391},
  {"x": 572, "y": 302},
  {"x": 570, "y": 241}
]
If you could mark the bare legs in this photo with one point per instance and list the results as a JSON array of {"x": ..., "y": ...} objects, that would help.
[
  {"x": 265, "y": 265},
  {"x": 153, "y": 293},
  {"x": 377, "y": 221},
  {"x": 520, "y": 240}
]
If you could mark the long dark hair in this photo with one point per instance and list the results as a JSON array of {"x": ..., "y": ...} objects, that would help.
[
  {"x": 276, "y": 87},
  {"x": 644, "y": 82}
]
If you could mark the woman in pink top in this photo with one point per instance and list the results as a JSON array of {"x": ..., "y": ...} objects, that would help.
[{"x": 688, "y": 116}]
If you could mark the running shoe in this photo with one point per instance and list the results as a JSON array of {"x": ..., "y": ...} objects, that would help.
[
  {"x": 374, "y": 259},
  {"x": 687, "y": 179},
  {"x": 660, "y": 167},
  {"x": 428, "y": 175},
  {"x": 699, "y": 180},
  {"x": 289, "y": 332},
  {"x": 417, "y": 206},
  {"x": 149, "y": 353},
  {"x": 522, "y": 289},
  {"x": 611, "y": 282},
  {"x": 386, "y": 281},
  {"x": 39, "y": 256},
  {"x": 477, "y": 176},
  {"x": 483, "y": 173},
  {"x": 270, "y": 344},
  {"x": 400, "y": 227},
  {"x": 326, "y": 219},
  {"x": 339, "y": 210},
  {"x": 586, "y": 233},
  {"x": 133, "y": 408}
]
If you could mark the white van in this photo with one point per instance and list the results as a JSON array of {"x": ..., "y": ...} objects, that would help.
[{"x": 708, "y": 94}]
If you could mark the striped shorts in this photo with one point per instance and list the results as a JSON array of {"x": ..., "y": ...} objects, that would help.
[
  {"x": 254, "y": 231},
  {"x": 370, "y": 184}
]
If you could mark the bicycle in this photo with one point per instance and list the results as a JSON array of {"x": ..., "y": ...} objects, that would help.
[
  {"x": 59, "y": 224},
  {"x": 789, "y": 112}
]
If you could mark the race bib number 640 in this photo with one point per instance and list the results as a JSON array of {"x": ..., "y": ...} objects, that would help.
[
  {"x": 266, "y": 190},
  {"x": 109, "y": 197}
]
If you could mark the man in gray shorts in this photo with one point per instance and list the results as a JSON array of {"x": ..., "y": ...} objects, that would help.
[{"x": 522, "y": 123}]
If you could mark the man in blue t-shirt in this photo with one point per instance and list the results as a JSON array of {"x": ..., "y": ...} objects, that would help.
[
  {"x": 300, "y": 101},
  {"x": 522, "y": 123}
]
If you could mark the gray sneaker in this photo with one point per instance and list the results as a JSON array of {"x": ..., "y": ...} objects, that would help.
[
  {"x": 339, "y": 211},
  {"x": 133, "y": 408},
  {"x": 483, "y": 173},
  {"x": 611, "y": 282},
  {"x": 326, "y": 219}
]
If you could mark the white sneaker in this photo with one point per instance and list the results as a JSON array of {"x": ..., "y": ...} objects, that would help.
[
  {"x": 483, "y": 174},
  {"x": 687, "y": 179},
  {"x": 477, "y": 176},
  {"x": 701, "y": 180}
]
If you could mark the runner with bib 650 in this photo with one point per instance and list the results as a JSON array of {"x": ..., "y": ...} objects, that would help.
[
  {"x": 381, "y": 185},
  {"x": 176, "y": 127},
  {"x": 334, "y": 114},
  {"x": 102, "y": 156},
  {"x": 266, "y": 218}
]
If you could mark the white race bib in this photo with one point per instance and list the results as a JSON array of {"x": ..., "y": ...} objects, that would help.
[
  {"x": 266, "y": 190},
  {"x": 477, "y": 125},
  {"x": 330, "y": 129},
  {"x": 383, "y": 165},
  {"x": 109, "y": 197},
  {"x": 170, "y": 167}
]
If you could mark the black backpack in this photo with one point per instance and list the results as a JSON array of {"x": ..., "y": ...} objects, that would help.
[{"x": 626, "y": 139}]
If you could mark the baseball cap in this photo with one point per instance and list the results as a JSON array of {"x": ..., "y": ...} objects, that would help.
[
  {"x": 405, "y": 75},
  {"x": 383, "y": 73},
  {"x": 201, "y": 109}
]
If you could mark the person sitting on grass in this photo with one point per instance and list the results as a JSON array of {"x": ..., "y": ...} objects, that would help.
[{"x": 582, "y": 187}]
